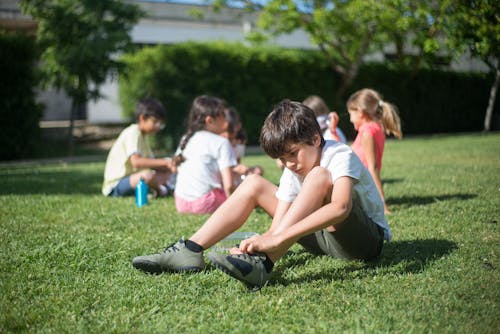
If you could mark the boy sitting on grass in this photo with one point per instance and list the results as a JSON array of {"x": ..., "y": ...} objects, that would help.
[
  {"x": 131, "y": 157},
  {"x": 326, "y": 201}
]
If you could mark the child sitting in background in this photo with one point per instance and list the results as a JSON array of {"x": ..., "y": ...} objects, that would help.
[
  {"x": 131, "y": 158},
  {"x": 327, "y": 120},
  {"x": 237, "y": 136},
  {"x": 204, "y": 159},
  {"x": 373, "y": 118}
]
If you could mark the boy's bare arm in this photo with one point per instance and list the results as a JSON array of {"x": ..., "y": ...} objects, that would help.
[
  {"x": 281, "y": 210},
  {"x": 138, "y": 161},
  {"x": 330, "y": 214},
  {"x": 227, "y": 180}
]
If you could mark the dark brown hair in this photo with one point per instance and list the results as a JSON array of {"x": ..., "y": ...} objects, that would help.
[
  {"x": 150, "y": 107},
  {"x": 202, "y": 107},
  {"x": 289, "y": 123}
]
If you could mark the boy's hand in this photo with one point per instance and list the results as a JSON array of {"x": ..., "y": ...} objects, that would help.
[
  {"x": 173, "y": 168},
  {"x": 240, "y": 169},
  {"x": 260, "y": 243},
  {"x": 170, "y": 165},
  {"x": 333, "y": 117}
]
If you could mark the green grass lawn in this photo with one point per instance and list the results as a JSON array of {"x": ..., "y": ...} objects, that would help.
[{"x": 66, "y": 251}]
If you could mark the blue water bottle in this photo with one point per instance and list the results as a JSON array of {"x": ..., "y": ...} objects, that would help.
[{"x": 141, "y": 193}]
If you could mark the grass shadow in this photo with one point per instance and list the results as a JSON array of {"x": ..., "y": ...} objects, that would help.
[
  {"x": 413, "y": 256},
  {"x": 398, "y": 257},
  {"x": 32, "y": 182},
  {"x": 392, "y": 181},
  {"x": 407, "y": 201}
]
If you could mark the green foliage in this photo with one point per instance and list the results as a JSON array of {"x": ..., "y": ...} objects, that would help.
[
  {"x": 431, "y": 101},
  {"x": 254, "y": 79},
  {"x": 66, "y": 251},
  {"x": 347, "y": 31},
  {"x": 177, "y": 74},
  {"x": 79, "y": 41},
  {"x": 19, "y": 114},
  {"x": 476, "y": 24}
]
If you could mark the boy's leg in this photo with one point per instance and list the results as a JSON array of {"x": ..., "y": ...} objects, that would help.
[
  {"x": 254, "y": 191},
  {"x": 188, "y": 255},
  {"x": 156, "y": 180},
  {"x": 254, "y": 270},
  {"x": 159, "y": 182},
  {"x": 358, "y": 237},
  {"x": 316, "y": 191},
  {"x": 123, "y": 188}
]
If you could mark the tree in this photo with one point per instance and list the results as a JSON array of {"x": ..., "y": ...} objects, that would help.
[
  {"x": 346, "y": 31},
  {"x": 80, "y": 40},
  {"x": 476, "y": 24}
]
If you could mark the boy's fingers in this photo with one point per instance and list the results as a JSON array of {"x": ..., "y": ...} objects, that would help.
[
  {"x": 235, "y": 250},
  {"x": 243, "y": 246}
]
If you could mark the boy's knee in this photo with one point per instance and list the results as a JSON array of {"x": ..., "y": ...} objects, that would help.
[
  {"x": 148, "y": 176},
  {"x": 162, "y": 177},
  {"x": 319, "y": 175},
  {"x": 253, "y": 182},
  {"x": 319, "y": 178}
]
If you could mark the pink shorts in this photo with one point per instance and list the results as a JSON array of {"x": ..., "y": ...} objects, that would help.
[{"x": 207, "y": 203}]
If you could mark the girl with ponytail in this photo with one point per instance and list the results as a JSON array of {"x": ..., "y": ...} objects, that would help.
[
  {"x": 373, "y": 118},
  {"x": 204, "y": 159}
]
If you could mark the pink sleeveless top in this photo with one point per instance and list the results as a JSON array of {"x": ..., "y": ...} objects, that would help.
[{"x": 375, "y": 130}]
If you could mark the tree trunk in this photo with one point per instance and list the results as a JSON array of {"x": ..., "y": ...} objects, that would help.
[
  {"x": 347, "y": 79},
  {"x": 491, "y": 101},
  {"x": 74, "y": 106},
  {"x": 353, "y": 67}
]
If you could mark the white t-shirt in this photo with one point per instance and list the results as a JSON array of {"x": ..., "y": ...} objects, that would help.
[
  {"x": 131, "y": 140},
  {"x": 340, "y": 160},
  {"x": 206, "y": 155},
  {"x": 239, "y": 150},
  {"x": 327, "y": 135}
]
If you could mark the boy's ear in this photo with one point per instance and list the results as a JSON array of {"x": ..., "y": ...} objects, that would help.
[
  {"x": 208, "y": 119},
  {"x": 317, "y": 140}
]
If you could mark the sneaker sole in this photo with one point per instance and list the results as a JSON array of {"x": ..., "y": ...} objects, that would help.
[
  {"x": 250, "y": 286},
  {"x": 153, "y": 268}
]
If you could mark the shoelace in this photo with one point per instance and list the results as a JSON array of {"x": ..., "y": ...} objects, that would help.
[{"x": 171, "y": 248}]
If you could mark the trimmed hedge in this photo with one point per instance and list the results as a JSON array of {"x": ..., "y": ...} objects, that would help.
[
  {"x": 19, "y": 114},
  {"x": 432, "y": 101},
  {"x": 254, "y": 79}
]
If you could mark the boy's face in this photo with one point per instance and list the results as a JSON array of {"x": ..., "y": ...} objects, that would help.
[
  {"x": 150, "y": 125},
  {"x": 302, "y": 158}
]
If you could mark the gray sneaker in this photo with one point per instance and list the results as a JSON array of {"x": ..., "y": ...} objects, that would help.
[
  {"x": 175, "y": 257},
  {"x": 247, "y": 268}
]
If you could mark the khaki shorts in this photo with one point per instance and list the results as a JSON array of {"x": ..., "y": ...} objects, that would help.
[{"x": 357, "y": 237}]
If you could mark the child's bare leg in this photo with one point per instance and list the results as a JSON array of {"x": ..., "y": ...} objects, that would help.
[
  {"x": 316, "y": 190},
  {"x": 159, "y": 178},
  {"x": 232, "y": 214},
  {"x": 153, "y": 178},
  {"x": 134, "y": 178}
]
